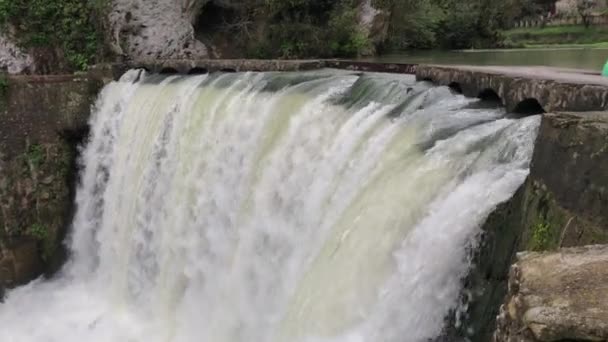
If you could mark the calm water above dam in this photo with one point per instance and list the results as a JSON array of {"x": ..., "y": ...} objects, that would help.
[{"x": 579, "y": 58}]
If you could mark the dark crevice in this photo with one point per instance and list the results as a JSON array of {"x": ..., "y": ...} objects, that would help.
[
  {"x": 490, "y": 96},
  {"x": 455, "y": 88},
  {"x": 168, "y": 71},
  {"x": 198, "y": 71},
  {"x": 74, "y": 140}
]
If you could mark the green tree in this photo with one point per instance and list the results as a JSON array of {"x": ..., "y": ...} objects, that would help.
[{"x": 585, "y": 10}]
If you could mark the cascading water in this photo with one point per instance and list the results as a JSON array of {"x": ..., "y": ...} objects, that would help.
[{"x": 274, "y": 207}]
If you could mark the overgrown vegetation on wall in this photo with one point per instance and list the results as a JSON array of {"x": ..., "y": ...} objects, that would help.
[
  {"x": 66, "y": 27},
  {"x": 34, "y": 195}
]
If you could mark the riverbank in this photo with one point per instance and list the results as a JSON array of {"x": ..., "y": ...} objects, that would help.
[{"x": 557, "y": 36}]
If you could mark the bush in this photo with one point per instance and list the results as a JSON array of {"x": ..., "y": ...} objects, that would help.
[
  {"x": 67, "y": 24},
  {"x": 306, "y": 28}
]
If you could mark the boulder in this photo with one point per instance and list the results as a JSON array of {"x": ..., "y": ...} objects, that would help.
[
  {"x": 12, "y": 58},
  {"x": 558, "y": 296},
  {"x": 374, "y": 22},
  {"x": 162, "y": 29}
]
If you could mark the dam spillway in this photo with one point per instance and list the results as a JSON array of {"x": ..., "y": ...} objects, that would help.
[{"x": 311, "y": 206}]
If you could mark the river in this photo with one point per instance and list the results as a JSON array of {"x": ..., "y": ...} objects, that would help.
[{"x": 578, "y": 58}]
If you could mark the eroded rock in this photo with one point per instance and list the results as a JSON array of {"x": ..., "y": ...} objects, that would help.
[
  {"x": 143, "y": 29},
  {"x": 560, "y": 296},
  {"x": 374, "y": 22},
  {"x": 13, "y": 58}
]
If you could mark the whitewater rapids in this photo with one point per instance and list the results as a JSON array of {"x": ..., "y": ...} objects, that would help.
[{"x": 274, "y": 207}]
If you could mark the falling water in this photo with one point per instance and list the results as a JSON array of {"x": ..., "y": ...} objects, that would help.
[{"x": 273, "y": 207}]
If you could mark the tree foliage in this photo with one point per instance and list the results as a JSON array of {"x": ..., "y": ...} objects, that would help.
[
  {"x": 584, "y": 9},
  {"x": 64, "y": 24},
  {"x": 298, "y": 28},
  {"x": 454, "y": 23}
]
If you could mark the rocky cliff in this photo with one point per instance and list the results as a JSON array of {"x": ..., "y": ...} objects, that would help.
[
  {"x": 63, "y": 36},
  {"x": 564, "y": 203}
]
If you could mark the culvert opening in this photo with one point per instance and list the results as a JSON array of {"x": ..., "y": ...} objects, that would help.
[
  {"x": 168, "y": 71},
  {"x": 489, "y": 95},
  {"x": 455, "y": 87},
  {"x": 198, "y": 71},
  {"x": 529, "y": 107}
]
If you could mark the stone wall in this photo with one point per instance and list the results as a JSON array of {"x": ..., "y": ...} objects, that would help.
[
  {"x": 553, "y": 89},
  {"x": 43, "y": 119}
]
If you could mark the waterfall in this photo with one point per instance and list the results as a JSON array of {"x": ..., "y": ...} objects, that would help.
[{"x": 274, "y": 207}]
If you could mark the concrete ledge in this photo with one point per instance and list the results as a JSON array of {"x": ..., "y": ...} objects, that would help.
[
  {"x": 553, "y": 89},
  {"x": 201, "y": 66}
]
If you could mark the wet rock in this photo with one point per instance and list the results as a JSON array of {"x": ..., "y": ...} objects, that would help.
[
  {"x": 19, "y": 263},
  {"x": 560, "y": 296},
  {"x": 48, "y": 180}
]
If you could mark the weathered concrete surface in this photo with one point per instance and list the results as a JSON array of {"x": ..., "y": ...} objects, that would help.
[
  {"x": 557, "y": 297},
  {"x": 228, "y": 65},
  {"x": 35, "y": 109},
  {"x": 43, "y": 118},
  {"x": 191, "y": 66},
  {"x": 555, "y": 89}
]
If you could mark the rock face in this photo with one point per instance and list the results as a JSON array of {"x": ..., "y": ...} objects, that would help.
[
  {"x": 564, "y": 203},
  {"x": 374, "y": 23},
  {"x": 145, "y": 29},
  {"x": 12, "y": 58},
  {"x": 559, "y": 296}
]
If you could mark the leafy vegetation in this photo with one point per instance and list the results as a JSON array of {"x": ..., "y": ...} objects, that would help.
[
  {"x": 542, "y": 237},
  {"x": 64, "y": 24},
  {"x": 38, "y": 231},
  {"x": 35, "y": 155},
  {"x": 293, "y": 28},
  {"x": 453, "y": 24}
]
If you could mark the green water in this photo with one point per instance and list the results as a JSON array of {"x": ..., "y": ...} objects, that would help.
[{"x": 579, "y": 58}]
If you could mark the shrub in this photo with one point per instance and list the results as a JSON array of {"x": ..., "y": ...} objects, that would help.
[{"x": 66, "y": 24}]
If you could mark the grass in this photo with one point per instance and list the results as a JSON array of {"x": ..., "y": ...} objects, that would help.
[
  {"x": 559, "y": 36},
  {"x": 601, "y": 45}
]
